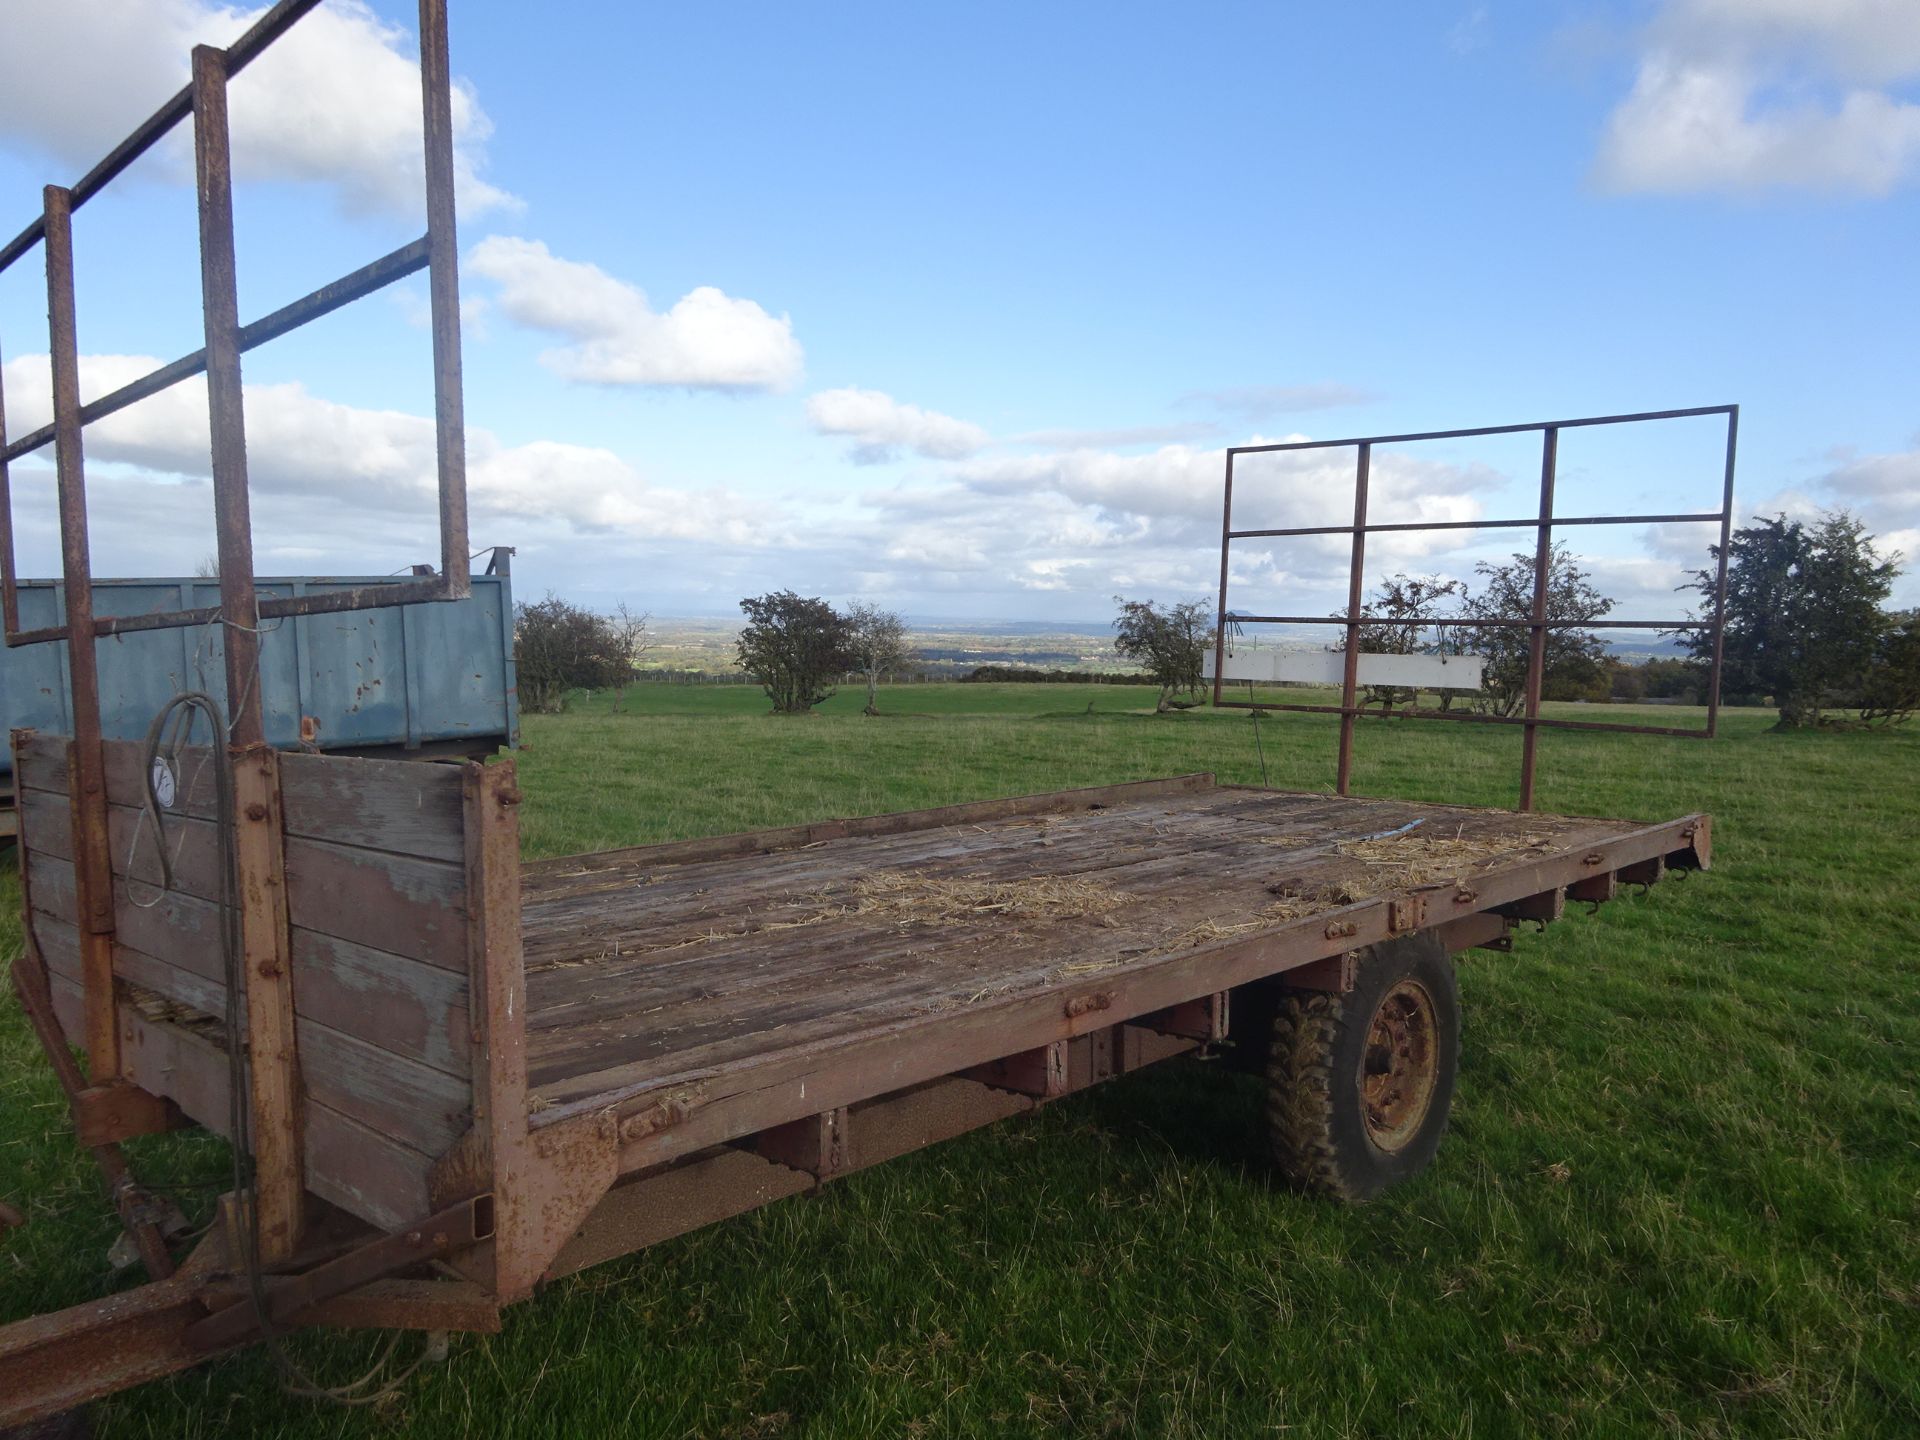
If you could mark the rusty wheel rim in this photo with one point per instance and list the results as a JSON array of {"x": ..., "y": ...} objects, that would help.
[{"x": 1399, "y": 1071}]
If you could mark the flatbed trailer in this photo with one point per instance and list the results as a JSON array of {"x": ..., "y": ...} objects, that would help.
[
  {"x": 449, "y": 1077},
  {"x": 520, "y": 1070}
]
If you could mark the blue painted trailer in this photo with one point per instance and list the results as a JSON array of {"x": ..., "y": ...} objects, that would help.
[{"x": 428, "y": 679}]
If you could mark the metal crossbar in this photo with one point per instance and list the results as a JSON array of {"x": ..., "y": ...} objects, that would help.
[{"x": 1537, "y": 624}]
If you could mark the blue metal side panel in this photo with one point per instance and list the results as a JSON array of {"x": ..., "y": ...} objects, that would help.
[{"x": 352, "y": 673}]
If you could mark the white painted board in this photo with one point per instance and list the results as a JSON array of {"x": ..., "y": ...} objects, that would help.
[{"x": 1288, "y": 665}]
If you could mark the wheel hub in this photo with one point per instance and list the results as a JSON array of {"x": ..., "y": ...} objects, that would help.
[{"x": 1398, "y": 1074}]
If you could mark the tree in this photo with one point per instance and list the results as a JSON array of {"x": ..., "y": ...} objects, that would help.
[
  {"x": 559, "y": 647},
  {"x": 878, "y": 640},
  {"x": 1803, "y": 623},
  {"x": 1575, "y": 658},
  {"x": 628, "y": 632},
  {"x": 1169, "y": 644},
  {"x": 1411, "y": 605},
  {"x": 795, "y": 648},
  {"x": 1892, "y": 691}
]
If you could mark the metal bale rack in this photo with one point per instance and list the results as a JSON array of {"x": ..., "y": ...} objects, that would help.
[
  {"x": 456, "y": 1076},
  {"x": 1538, "y": 625}
]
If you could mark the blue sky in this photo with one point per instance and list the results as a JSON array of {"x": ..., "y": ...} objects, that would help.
[{"x": 955, "y": 307}]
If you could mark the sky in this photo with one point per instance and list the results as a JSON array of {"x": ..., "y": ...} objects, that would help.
[{"x": 957, "y": 308}]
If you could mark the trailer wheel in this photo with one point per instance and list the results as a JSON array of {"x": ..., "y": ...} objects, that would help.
[{"x": 1359, "y": 1085}]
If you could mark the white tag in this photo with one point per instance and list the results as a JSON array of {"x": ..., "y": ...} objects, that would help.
[{"x": 163, "y": 788}]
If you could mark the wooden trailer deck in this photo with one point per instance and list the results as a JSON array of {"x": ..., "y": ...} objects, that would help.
[{"x": 701, "y": 965}]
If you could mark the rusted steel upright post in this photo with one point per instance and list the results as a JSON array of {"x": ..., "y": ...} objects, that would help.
[
  {"x": 260, "y": 886},
  {"x": 219, "y": 287},
  {"x": 1356, "y": 587},
  {"x": 1220, "y": 612},
  {"x": 1720, "y": 577},
  {"x": 92, "y": 873},
  {"x": 443, "y": 289},
  {"x": 1537, "y": 630},
  {"x": 9, "y": 581}
]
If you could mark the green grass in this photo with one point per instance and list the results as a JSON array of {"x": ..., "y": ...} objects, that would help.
[{"x": 1681, "y": 1194}]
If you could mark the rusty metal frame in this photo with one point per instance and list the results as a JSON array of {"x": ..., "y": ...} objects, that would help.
[
  {"x": 1543, "y": 523},
  {"x": 204, "y": 101},
  {"x": 106, "y": 1105}
]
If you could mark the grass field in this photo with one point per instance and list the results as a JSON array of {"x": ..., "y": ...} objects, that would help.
[{"x": 1681, "y": 1195}]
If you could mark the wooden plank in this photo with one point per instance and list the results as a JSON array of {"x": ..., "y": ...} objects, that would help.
[
  {"x": 401, "y": 904},
  {"x": 46, "y": 823},
  {"x": 195, "y": 784},
  {"x": 184, "y": 987},
  {"x": 59, "y": 945},
  {"x": 496, "y": 986},
  {"x": 171, "y": 926},
  {"x": 170, "y": 1060},
  {"x": 422, "y": 1108},
  {"x": 403, "y": 1006},
  {"x": 364, "y": 1172},
  {"x": 40, "y": 761},
  {"x": 193, "y": 850},
  {"x": 279, "y": 1186},
  {"x": 792, "y": 836},
  {"x": 673, "y": 880},
  {"x": 69, "y": 1007},
  {"x": 50, "y": 886},
  {"x": 405, "y": 806}
]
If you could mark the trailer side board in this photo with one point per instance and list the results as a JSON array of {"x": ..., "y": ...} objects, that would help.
[{"x": 375, "y": 882}]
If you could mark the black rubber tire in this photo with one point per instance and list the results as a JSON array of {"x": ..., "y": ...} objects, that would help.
[{"x": 1316, "y": 1117}]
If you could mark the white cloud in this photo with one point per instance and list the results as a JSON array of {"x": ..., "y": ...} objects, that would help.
[
  {"x": 708, "y": 340},
  {"x": 882, "y": 426},
  {"x": 336, "y": 100},
  {"x": 1759, "y": 94},
  {"x": 338, "y": 480},
  {"x": 1084, "y": 524},
  {"x": 1275, "y": 490}
]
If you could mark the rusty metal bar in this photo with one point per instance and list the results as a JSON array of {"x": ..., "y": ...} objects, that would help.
[
  {"x": 443, "y": 285},
  {"x": 1486, "y": 430},
  {"x": 1720, "y": 578},
  {"x": 1469, "y": 717},
  {"x": 219, "y": 291},
  {"x": 1465, "y": 621},
  {"x": 136, "y": 1214},
  {"x": 92, "y": 871},
  {"x": 1712, "y": 517},
  {"x": 325, "y": 602},
  {"x": 264, "y": 31},
  {"x": 1356, "y": 584},
  {"x": 9, "y": 580},
  {"x": 409, "y": 259},
  {"x": 273, "y": 1072},
  {"x": 1537, "y": 639},
  {"x": 450, "y": 1230},
  {"x": 1220, "y": 613}
]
